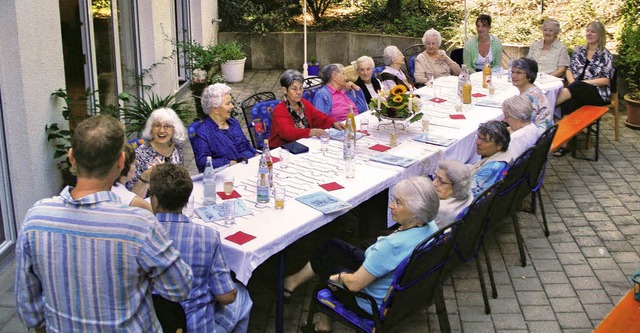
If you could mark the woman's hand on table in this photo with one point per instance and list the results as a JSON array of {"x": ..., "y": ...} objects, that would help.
[
  {"x": 316, "y": 132},
  {"x": 339, "y": 126}
]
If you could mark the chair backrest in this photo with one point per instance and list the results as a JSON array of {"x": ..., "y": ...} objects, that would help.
[
  {"x": 456, "y": 55},
  {"x": 470, "y": 233},
  {"x": 247, "y": 106},
  {"x": 135, "y": 143},
  {"x": 312, "y": 82},
  {"x": 411, "y": 66},
  {"x": 309, "y": 93},
  {"x": 261, "y": 116},
  {"x": 418, "y": 277},
  {"x": 535, "y": 174},
  {"x": 191, "y": 131},
  {"x": 413, "y": 50},
  {"x": 170, "y": 315}
]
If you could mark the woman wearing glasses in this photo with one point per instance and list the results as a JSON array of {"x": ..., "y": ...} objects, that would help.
[
  {"x": 163, "y": 135},
  {"x": 523, "y": 73},
  {"x": 220, "y": 135},
  {"x": 550, "y": 54},
  {"x": 414, "y": 205},
  {"x": 453, "y": 184},
  {"x": 492, "y": 144}
]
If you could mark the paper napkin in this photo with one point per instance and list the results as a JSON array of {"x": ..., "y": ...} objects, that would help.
[
  {"x": 457, "y": 116},
  {"x": 365, "y": 132},
  {"x": 239, "y": 238},
  {"x": 478, "y": 95},
  {"x": 274, "y": 159},
  {"x": 233, "y": 195},
  {"x": 331, "y": 186},
  {"x": 438, "y": 100},
  {"x": 379, "y": 147}
]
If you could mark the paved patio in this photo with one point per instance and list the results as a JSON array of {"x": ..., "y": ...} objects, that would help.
[{"x": 572, "y": 280}]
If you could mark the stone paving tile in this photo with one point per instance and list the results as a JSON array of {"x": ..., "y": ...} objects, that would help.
[
  {"x": 532, "y": 298},
  {"x": 538, "y": 312},
  {"x": 550, "y": 326},
  {"x": 565, "y": 304},
  {"x": 593, "y": 297},
  {"x": 574, "y": 320},
  {"x": 509, "y": 321}
]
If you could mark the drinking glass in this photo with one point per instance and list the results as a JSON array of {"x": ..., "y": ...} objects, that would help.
[
  {"x": 324, "y": 142},
  {"x": 364, "y": 123},
  {"x": 425, "y": 126},
  {"x": 279, "y": 195},
  {"x": 228, "y": 184},
  {"x": 229, "y": 210},
  {"x": 436, "y": 92},
  {"x": 284, "y": 158},
  {"x": 350, "y": 167},
  {"x": 429, "y": 80}
]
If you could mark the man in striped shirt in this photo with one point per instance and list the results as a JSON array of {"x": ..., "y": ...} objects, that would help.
[
  {"x": 216, "y": 303},
  {"x": 87, "y": 263}
]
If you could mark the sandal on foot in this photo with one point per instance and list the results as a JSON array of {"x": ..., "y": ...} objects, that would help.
[{"x": 561, "y": 152}]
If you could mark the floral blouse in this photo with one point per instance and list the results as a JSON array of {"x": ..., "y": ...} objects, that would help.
[
  {"x": 601, "y": 65},
  {"x": 542, "y": 115},
  {"x": 145, "y": 154}
]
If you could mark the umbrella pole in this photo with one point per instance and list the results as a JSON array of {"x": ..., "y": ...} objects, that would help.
[{"x": 305, "y": 66}]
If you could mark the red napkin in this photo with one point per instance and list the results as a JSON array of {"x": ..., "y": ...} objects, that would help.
[
  {"x": 233, "y": 195},
  {"x": 457, "y": 116},
  {"x": 239, "y": 238},
  {"x": 438, "y": 100},
  {"x": 274, "y": 159},
  {"x": 365, "y": 132},
  {"x": 331, "y": 186},
  {"x": 478, "y": 95},
  {"x": 379, "y": 147}
]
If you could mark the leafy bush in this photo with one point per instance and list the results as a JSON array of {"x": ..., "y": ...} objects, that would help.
[{"x": 628, "y": 61}]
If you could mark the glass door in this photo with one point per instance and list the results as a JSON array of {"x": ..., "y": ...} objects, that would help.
[{"x": 7, "y": 219}]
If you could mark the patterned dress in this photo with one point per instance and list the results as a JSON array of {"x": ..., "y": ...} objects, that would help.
[{"x": 145, "y": 154}]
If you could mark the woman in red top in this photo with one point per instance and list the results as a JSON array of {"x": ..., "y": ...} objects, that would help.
[{"x": 295, "y": 117}]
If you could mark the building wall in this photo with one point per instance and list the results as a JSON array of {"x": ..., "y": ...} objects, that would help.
[{"x": 31, "y": 68}]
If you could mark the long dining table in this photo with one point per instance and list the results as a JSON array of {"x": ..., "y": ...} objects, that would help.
[{"x": 267, "y": 231}]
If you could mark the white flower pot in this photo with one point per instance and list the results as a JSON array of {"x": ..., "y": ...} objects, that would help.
[{"x": 233, "y": 70}]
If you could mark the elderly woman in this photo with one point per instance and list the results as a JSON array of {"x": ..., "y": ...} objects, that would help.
[
  {"x": 492, "y": 145},
  {"x": 523, "y": 73},
  {"x": 337, "y": 94},
  {"x": 433, "y": 62},
  {"x": 164, "y": 134},
  {"x": 414, "y": 204},
  {"x": 482, "y": 48},
  {"x": 295, "y": 117},
  {"x": 524, "y": 134},
  {"x": 220, "y": 136},
  {"x": 550, "y": 54},
  {"x": 392, "y": 74},
  {"x": 366, "y": 81},
  {"x": 453, "y": 184},
  {"x": 589, "y": 75},
  {"x": 127, "y": 197}
]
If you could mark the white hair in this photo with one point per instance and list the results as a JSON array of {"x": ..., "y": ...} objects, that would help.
[
  {"x": 169, "y": 117},
  {"x": 364, "y": 60},
  {"x": 390, "y": 52},
  {"x": 419, "y": 196},
  {"x": 518, "y": 107},
  {"x": 431, "y": 33},
  {"x": 212, "y": 96}
]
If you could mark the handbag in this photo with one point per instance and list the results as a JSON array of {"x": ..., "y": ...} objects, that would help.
[{"x": 295, "y": 147}]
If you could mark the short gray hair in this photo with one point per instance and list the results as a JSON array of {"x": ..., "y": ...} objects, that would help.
[
  {"x": 212, "y": 96},
  {"x": 497, "y": 132},
  {"x": 431, "y": 33},
  {"x": 551, "y": 22},
  {"x": 389, "y": 53},
  {"x": 518, "y": 107},
  {"x": 460, "y": 176},
  {"x": 528, "y": 65},
  {"x": 327, "y": 71},
  {"x": 165, "y": 116},
  {"x": 419, "y": 196},
  {"x": 289, "y": 77},
  {"x": 364, "y": 59}
]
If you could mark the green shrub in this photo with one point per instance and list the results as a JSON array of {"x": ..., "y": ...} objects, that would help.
[{"x": 628, "y": 62}]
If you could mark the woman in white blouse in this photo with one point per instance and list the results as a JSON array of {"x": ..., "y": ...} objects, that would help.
[{"x": 549, "y": 52}]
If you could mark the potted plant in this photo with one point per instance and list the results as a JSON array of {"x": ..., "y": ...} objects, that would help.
[
  {"x": 313, "y": 66},
  {"x": 628, "y": 61},
  {"x": 232, "y": 60}
]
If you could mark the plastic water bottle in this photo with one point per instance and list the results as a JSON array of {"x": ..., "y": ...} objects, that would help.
[
  {"x": 349, "y": 143},
  {"x": 209, "y": 181},
  {"x": 461, "y": 77},
  {"x": 262, "y": 184},
  {"x": 267, "y": 154},
  {"x": 509, "y": 68}
]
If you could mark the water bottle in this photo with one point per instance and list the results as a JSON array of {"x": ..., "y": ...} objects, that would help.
[
  {"x": 209, "y": 181},
  {"x": 349, "y": 143},
  {"x": 509, "y": 68},
  {"x": 262, "y": 184},
  {"x": 461, "y": 77},
  {"x": 267, "y": 154}
]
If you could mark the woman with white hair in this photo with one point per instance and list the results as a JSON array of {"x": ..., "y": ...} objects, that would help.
[
  {"x": 524, "y": 134},
  {"x": 164, "y": 134},
  {"x": 414, "y": 204},
  {"x": 550, "y": 54},
  {"x": 366, "y": 81},
  {"x": 433, "y": 62},
  {"x": 453, "y": 184},
  {"x": 220, "y": 136},
  {"x": 392, "y": 74},
  {"x": 523, "y": 74}
]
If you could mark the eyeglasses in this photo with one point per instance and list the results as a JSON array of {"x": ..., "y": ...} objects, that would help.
[
  {"x": 549, "y": 30},
  {"x": 484, "y": 139},
  {"x": 161, "y": 126},
  {"x": 439, "y": 180},
  {"x": 518, "y": 72}
]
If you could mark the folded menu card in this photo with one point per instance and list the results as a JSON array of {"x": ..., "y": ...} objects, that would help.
[
  {"x": 387, "y": 158},
  {"x": 216, "y": 212},
  {"x": 434, "y": 140},
  {"x": 324, "y": 202}
]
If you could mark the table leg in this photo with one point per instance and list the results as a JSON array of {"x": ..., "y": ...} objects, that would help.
[{"x": 280, "y": 295}]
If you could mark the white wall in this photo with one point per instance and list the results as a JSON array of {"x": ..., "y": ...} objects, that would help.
[
  {"x": 203, "y": 12},
  {"x": 31, "y": 68}
]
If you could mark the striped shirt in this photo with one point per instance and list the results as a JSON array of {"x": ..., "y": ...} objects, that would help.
[
  {"x": 89, "y": 264},
  {"x": 200, "y": 248}
]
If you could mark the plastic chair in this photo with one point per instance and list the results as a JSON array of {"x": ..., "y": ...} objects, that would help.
[
  {"x": 416, "y": 285},
  {"x": 456, "y": 55},
  {"x": 261, "y": 116},
  {"x": 470, "y": 236},
  {"x": 412, "y": 50},
  {"x": 247, "y": 106},
  {"x": 170, "y": 315},
  {"x": 312, "y": 82},
  {"x": 191, "y": 131},
  {"x": 411, "y": 66}
]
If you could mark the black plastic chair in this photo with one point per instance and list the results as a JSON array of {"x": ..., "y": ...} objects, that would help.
[
  {"x": 312, "y": 82},
  {"x": 170, "y": 315},
  {"x": 537, "y": 167},
  {"x": 416, "y": 285},
  {"x": 456, "y": 55},
  {"x": 413, "y": 50},
  {"x": 247, "y": 106},
  {"x": 470, "y": 236}
]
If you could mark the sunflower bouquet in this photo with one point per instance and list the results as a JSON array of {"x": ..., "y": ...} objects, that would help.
[{"x": 395, "y": 105}]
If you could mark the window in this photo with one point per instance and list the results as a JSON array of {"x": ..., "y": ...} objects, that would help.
[
  {"x": 7, "y": 219},
  {"x": 183, "y": 33}
]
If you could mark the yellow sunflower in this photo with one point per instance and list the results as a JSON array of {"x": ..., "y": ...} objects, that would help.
[
  {"x": 398, "y": 90},
  {"x": 397, "y": 98}
]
